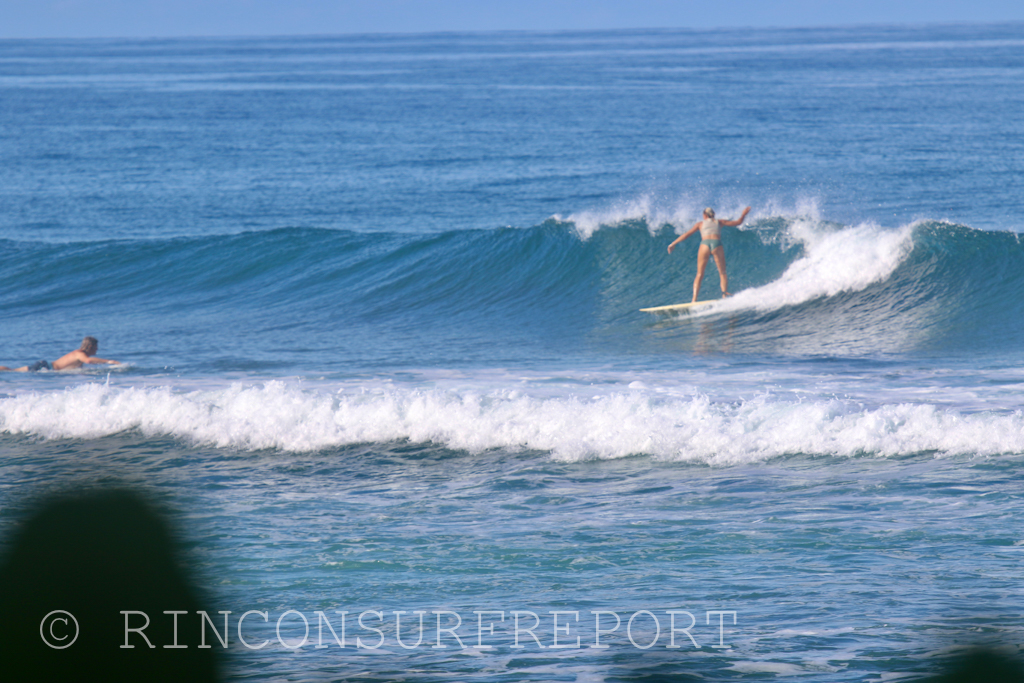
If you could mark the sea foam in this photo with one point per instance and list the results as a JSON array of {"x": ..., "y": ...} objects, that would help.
[
  {"x": 589, "y": 425},
  {"x": 834, "y": 261}
]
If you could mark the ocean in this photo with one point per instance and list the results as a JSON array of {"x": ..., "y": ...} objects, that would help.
[{"x": 376, "y": 302}]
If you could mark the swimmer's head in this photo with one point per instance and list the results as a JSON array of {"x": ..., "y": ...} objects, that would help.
[
  {"x": 709, "y": 212},
  {"x": 90, "y": 345}
]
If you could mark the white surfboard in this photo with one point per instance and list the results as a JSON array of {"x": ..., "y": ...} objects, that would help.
[{"x": 676, "y": 308}]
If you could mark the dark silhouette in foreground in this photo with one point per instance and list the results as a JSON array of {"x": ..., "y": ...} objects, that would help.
[
  {"x": 91, "y": 556},
  {"x": 982, "y": 666}
]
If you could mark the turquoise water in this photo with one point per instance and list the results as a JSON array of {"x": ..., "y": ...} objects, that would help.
[{"x": 377, "y": 303}]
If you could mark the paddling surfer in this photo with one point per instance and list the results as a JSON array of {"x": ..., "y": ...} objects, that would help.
[
  {"x": 85, "y": 354},
  {"x": 710, "y": 245}
]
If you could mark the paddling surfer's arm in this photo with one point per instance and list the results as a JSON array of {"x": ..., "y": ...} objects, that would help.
[
  {"x": 682, "y": 237},
  {"x": 104, "y": 361}
]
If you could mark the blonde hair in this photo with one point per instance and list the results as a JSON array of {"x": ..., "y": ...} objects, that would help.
[
  {"x": 89, "y": 343},
  {"x": 709, "y": 212}
]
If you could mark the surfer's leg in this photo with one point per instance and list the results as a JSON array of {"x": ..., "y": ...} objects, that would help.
[
  {"x": 702, "y": 262},
  {"x": 719, "y": 255}
]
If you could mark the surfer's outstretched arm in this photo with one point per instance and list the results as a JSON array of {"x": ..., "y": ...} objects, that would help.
[
  {"x": 736, "y": 222},
  {"x": 105, "y": 361},
  {"x": 682, "y": 237}
]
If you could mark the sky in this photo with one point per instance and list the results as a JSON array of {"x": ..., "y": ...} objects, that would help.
[{"x": 165, "y": 18}]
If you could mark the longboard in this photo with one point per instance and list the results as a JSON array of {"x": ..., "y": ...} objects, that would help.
[{"x": 676, "y": 307}]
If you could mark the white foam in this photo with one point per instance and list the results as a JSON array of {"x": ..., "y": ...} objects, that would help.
[
  {"x": 834, "y": 261},
  {"x": 592, "y": 425}
]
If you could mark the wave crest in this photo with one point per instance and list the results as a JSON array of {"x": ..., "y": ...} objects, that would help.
[{"x": 604, "y": 425}]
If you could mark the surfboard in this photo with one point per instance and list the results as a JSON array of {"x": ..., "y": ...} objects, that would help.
[{"x": 676, "y": 308}]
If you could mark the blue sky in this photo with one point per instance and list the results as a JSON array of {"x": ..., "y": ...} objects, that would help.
[{"x": 151, "y": 18}]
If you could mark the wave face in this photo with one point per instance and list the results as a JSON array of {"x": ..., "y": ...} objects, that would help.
[
  {"x": 532, "y": 339},
  {"x": 802, "y": 286}
]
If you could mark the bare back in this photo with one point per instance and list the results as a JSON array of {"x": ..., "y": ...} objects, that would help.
[{"x": 77, "y": 359}]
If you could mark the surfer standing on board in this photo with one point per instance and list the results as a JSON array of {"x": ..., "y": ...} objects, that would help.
[
  {"x": 710, "y": 245},
  {"x": 86, "y": 353}
]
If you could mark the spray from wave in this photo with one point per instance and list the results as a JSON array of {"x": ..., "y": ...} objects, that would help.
[{"x": 678, "y": 213}]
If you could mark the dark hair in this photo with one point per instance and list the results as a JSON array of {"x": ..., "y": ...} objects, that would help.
[{"x": 90, "y": 343}]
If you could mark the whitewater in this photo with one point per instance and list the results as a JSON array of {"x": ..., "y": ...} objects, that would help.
[{"x": 631, "y": 421}]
